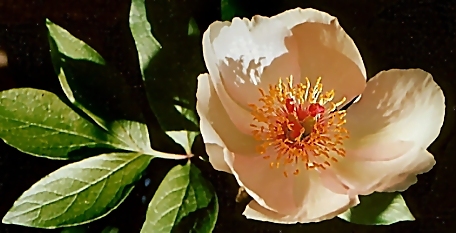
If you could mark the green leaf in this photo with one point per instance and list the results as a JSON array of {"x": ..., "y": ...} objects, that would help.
[
  {"x": 88, "y": 81},
  {"x": 37, "y": 122},
  {"x": 135, "y": 137},
  {"x": 110, "y": 229},
  {"x": 193, "y": 29},
  {"x": 168, "y": 72},
  {"x": 146, "y": 45},
  {"x": 185, "y": 138},
  {"x": 203, "y": 220},
  {"x": 69, "y": 93},
  {"x": 379, "y": 209},
  {"x": 63, "y": 43},
  {"x": 80, "y": 192},
  {"x": 71, "y": 46},
  {"x": 184, "y": 202}
]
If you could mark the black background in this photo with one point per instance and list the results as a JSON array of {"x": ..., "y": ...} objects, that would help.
[{"x": 388, "y": 33}]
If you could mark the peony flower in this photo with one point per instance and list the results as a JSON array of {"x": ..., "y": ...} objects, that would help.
[{"x": 273, "y": 113}]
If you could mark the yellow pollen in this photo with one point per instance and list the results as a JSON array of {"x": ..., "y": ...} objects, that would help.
[{"x": 301, "y": 124}]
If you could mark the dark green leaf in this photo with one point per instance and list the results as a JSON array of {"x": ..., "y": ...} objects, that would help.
[
  {"x": 110, "y": 229},
  {"x": 185, "y": 138},
  {"x": 75, "y": 229},
  {"x": 169, "y": 72},
  {"x": 184, "y": 202},
  {"x": 231, "y": 8},
  {"x": 193, "y": 29},
  {"x": 379, "y": 209},
  {"x": 203, "y": 220},
  {"x": 89, "y": 83},
  {"x": 146, "y": 45},
  {"x": 80, "y": 192}
]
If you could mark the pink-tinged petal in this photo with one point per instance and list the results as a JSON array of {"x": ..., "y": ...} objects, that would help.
[
  {"x": 254, "y": 54},
  {"x": 325, "y": 50},
  {"x": 330, "y": 180},
  {"x": 268, "y": 186},
  {"x": 215, "y": 124},
  {"x": 316, "y": 201},
  {"x": 376, "y": 152},
  {"x": 317, "y": 204},
  {"x": 366, "y": 176},
  {"x": 403, "y": 181},
  {"x": 397, "y": 105}
]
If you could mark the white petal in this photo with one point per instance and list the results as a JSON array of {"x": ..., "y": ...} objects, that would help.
[
  {"x": 241, "y": 117},
  {"x": 366, "y": 176},
  {"x": 216, "y": 157},
  {"x": 215, "y": 125},
  {"x": 257, "y": 212},
  {"x": 405, "y": 105},
  {"x": 325, "y": 50},
  {"x": 252, "y": 55}
]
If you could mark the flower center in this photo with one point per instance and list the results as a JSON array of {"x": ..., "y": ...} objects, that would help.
[{"x": 301, "y": 124}]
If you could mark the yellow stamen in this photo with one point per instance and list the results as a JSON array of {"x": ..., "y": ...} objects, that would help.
[{"x": 301, "y": 123}]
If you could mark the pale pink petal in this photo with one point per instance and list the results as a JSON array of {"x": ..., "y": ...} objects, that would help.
[
  {"x": 268, "y": 186},
  {"x": 376, "y": 152},
  {"x": 381, "y": 151},
  {"x": 330, "y": 180},
  {"x": 404, "y": 180},
  {"x": 366, "y": 176},
  {"x": 397, "y": 105},
  {"x": 242, "y": 117},
  {"x": 317, "y": 204},
  {"x": 215, "y": 125},
  {"x": 254, "y": 54},
  {"x": 325, "y": 50}
]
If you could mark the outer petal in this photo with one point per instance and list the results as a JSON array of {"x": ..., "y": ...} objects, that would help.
[
  {"x": 216, "y": 126},
  {"x": 242, "y": 118},
  {"x": 252, "y": 55},
  {"x": 301, "y": 198},
  {"x": 268, "y": 186},
  {"x": 364, "y": 176},
  {"x": 325, "y": 50},
  {"x": 216, "y": 157},
  {"x": 397, "y": 105},
  {"x": 317, "y": 204}
]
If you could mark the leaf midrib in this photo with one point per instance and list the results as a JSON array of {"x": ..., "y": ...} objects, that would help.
[
  {"x": 29, "y": 124},
  {"x": 75, "y": 193}
]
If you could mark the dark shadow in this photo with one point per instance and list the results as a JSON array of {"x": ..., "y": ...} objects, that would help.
[
  {"x": 171, "y": 75},
  {"x": 196, "y": 219}
]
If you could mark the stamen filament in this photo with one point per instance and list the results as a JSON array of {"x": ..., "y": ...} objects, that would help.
[{"x": 301, "y": 123}]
